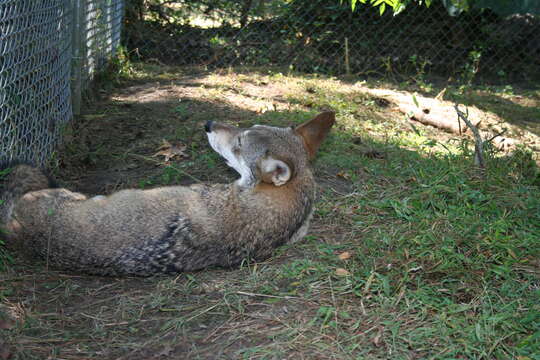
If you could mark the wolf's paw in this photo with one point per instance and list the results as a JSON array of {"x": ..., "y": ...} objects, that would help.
[{"x": 35, "y": 195}]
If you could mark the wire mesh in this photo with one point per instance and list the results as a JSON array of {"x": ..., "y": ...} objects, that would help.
[
  {"x": 34, "y": 77},
  {"x": 41, "y": 47},
  {"x": 101, "y": 34},
  {"x": 326, "y": 36}
]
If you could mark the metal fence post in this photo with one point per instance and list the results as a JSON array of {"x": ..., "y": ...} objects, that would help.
[{"x": 76, "y": 64}]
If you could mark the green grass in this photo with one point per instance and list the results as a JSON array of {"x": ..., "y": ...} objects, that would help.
[
  {"x": 442, "y": 258},
  {"x": 445, "y": 257},
  {"x": 446, "y": 248}
]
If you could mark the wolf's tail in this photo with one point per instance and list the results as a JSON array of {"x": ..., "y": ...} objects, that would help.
[{"x": 15, "y": 181}]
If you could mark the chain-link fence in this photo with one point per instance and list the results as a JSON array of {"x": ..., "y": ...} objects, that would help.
[
  {"x": 326, "y": 36},
  {"x": 96, "y": 41},
  {"x": 49, "y": 51}
]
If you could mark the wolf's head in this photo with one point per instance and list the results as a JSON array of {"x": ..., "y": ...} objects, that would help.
[{"x": 269, "y": 154}]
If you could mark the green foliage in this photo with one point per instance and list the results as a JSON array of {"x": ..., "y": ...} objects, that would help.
[
  {"x": 398, "y": 6},
  {"x": 186, "y": 11},
  {"x": 378, "y": 36},
  {"x": 118, "y": 68},
  {"x": 455, "y": 7}
]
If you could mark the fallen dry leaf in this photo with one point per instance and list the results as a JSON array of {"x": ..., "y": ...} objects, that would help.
[
  {"x": 374, "y": 154},
  {"x": 342, "y": 272},
  {"x": 344, "y": 255},
  {"x": 166, "y": 351},
  {"x": 344, "y": 175},
  {"x": 169, "y": 150},
  {"x": 377, "y": 339}
]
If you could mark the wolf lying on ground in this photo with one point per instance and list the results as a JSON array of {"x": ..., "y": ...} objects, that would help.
[{"x": 176, "y": 228}]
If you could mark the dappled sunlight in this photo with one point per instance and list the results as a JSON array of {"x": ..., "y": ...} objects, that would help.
[
  {"x": 362, "y": 106},
  {"x": 519, "y": 111}
]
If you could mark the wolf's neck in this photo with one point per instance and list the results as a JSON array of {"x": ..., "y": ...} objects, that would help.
[
  {"x": 258, "y": 219},
  {"x": 289, "y": 199}
]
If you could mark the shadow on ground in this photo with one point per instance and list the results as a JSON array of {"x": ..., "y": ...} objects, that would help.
[{"x": 521, "y": 111}]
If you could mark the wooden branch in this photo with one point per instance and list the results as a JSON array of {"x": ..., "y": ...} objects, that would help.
[
  {"x": 496, "y": 135},
  {"x": 459, "y": 125},
  {"x": 478, "y": 142}
]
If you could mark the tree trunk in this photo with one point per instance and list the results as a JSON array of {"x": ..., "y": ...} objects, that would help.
[{"x": 245, "y": 12}]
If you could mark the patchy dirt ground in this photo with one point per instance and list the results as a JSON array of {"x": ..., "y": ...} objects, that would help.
[{"x": 258, "y": 311}]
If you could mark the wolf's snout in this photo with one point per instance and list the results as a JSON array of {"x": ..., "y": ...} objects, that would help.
[{"x": 208, "y": 126}]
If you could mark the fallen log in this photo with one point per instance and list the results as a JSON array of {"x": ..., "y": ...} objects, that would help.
[
  {"x": 442, "y": 121},
  {"x": 441, "y": 114}
]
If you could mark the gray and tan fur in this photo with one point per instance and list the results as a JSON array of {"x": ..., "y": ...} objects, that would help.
[{"x": 177, "y": 228}]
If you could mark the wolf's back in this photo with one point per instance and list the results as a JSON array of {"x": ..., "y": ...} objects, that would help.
[{"x": 19, "y": 180}]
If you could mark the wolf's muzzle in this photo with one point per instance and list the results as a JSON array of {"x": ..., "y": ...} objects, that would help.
[{"x": 208, "y": 126}]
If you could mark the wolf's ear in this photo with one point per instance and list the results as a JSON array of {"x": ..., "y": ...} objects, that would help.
[
  {"x": 314, "y": 131},
  {"x": 274, "y": 171}
]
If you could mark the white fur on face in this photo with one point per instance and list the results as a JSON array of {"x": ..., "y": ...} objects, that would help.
[{"x": 224, "y": 148}]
